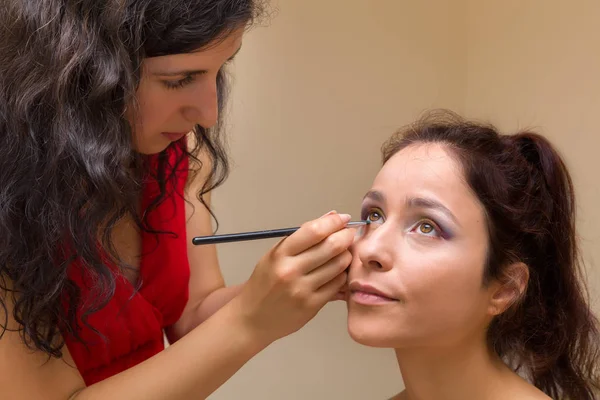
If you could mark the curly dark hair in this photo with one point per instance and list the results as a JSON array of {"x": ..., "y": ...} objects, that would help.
[
  {"x": 551, "y": 333},
  {"x": 68, "y": 169}
]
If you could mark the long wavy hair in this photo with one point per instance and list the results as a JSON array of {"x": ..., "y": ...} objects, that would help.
[
  {"x": 551, "y": 333},
  {"x": 68, "y": 170}
]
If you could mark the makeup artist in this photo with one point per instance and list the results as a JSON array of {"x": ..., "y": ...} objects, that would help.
[{"x": 110, "y": 132}]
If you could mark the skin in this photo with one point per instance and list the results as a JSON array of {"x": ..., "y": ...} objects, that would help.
[
  {"x": 171, "y": 100},
  {"x": 288, "y": 287},
  {"x": 425, "y": 251},
  {"x": 178, "y": 91}
]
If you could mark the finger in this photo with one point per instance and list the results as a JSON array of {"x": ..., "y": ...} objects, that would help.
[
  {"x": 329, "y": 290},
  {"x": 313, "y": 232},
  {"x": 339, "y": 296},
  {"x": 343, "y": 292},
  {"x": 329, "y": 213},
  {"x": 319, "y": 255},
  {"x": 329, "y": 270}
]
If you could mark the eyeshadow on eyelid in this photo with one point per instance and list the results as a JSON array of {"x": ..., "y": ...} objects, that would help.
[{"x": 445, "y": 232}]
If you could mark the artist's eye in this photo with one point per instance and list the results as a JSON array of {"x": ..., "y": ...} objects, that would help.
[{"x": 178, "y": 84}]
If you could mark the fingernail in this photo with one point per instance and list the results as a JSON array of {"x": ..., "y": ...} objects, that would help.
[
  {"x": 345, "y": 218},
  {"x": 329, "y": 213}
]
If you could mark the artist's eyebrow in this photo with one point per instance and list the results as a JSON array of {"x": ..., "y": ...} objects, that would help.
[
  {"x": 422, "y": 202},
  {"x": 192, "y": 71}
]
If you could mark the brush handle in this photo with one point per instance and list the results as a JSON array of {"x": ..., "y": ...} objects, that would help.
[{"x": 245, "y": 236}]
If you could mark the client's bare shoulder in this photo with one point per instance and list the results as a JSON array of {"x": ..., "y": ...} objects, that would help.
[
  {"x": 527, "y": 392},
  {"x": 519, "y": 391},
  {"x": 515, "y": 387},
  {"x": 399, "y": 396}
]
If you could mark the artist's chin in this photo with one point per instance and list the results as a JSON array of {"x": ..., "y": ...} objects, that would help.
[{"x": 150, "y": 149}]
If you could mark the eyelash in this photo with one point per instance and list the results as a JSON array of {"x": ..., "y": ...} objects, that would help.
[
  {"x": 433, "y": 226},
  {"x": 366, "y": 215},
  {"x": 180, "y": 83},
  {"x": 187, "y": 80},
  {"x": 368, "y": 212}
]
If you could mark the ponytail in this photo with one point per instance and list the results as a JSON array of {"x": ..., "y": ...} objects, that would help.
[{"x": 558, "y": 330}]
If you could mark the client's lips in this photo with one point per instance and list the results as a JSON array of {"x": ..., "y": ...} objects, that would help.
[{"x": 367, "y": 294}]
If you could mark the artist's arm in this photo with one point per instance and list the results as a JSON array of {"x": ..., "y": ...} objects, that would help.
[
  {"x": 289, "y": 285},
  {"x": 193, "y": 367},
  {"x": 207, "y": 290}
]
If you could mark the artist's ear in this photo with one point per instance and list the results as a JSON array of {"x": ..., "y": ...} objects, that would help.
[{"x": 509, "y": 288}]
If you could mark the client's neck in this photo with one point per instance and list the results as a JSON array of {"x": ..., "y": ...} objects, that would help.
[{"x": 467, "y": 371}]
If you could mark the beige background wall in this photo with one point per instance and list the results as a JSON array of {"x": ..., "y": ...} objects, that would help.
[
  {"x": 536, "y": 63},
  {"x": 319, "y": 90}
]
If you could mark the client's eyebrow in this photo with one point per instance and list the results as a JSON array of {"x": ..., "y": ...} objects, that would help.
[
  {"x": 375, "y": 196},
  {"x": 192, "y": 71},
  {"x": 415, "y": 202},
  {"x": 422, "y": 202}
]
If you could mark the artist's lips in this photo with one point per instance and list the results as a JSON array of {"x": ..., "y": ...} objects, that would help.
[
  {"x": 174, "y": 136},
  {"x": 369, "y": 295}
]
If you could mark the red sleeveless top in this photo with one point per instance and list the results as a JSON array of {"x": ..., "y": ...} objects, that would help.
[{"x": 132, "y": 322}]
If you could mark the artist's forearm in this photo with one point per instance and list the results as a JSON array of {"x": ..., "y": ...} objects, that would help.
[
  {"x": 192, "y": 368},
  {"x": 214, "y": 301},
  {"x": 204, "y": 310}
]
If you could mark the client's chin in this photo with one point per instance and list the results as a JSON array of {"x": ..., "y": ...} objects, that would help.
[{"x": 371, "y": 330}]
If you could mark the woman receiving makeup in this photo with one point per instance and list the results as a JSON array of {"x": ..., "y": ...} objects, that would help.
[{"x": 470, "y": 268}]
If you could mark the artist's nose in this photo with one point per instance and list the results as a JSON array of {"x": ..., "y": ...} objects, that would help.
[
  {"x": 203, "y": 109},
  {"x": 376, "y": 248}
]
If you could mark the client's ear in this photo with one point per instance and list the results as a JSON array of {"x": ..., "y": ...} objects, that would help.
[{"x": 509, "y": 288}]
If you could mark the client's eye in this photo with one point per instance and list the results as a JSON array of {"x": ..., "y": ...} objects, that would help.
[
  {"x": 374, "y": 215},
  {"x": 428, "y": 228}
]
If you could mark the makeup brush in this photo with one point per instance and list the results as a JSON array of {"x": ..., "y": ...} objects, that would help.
[{"x": 244, "y": 236}]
